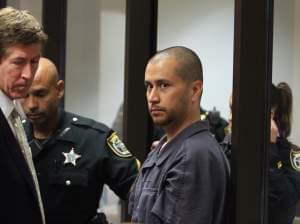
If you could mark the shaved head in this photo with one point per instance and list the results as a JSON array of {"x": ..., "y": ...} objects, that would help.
[
  {"x": 47, "y": 71},
  {"x": 41, "y": 104},
  {"x": 189, "y": 66},
  {"x": 173, "y": 80}
]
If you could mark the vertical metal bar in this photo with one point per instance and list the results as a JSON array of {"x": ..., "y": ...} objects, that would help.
[
  {"x": 2, "y": 3},
  {"x": 141, "y": 35},
  {"x": 55, "y": 25},
  {"x": 140, "y": 43},
  {"x": 253, "y": 42}
]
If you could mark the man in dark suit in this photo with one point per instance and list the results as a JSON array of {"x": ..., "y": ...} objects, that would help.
[{"x": 21, "y": 43}]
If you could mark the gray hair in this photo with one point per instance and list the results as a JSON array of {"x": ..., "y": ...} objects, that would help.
[{"x": 19, "y": 27}]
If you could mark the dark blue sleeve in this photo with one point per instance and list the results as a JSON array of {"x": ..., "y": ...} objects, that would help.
[{"x": 121, "y": 167}]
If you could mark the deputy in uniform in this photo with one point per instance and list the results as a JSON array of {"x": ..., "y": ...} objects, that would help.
[
  {"x": 284, "y": 173},
  {"x": 185, "y": 177},
  {"x": 74, "y": 156},
  {"x": 284, "y": 169},
  {"x": 217, "y": 124}
]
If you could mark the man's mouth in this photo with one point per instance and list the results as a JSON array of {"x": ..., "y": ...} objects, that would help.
[
  {"x": 20, "y": 87},
  {"x": 156, "y": 110},
  {"x": 34, "y": 116}
]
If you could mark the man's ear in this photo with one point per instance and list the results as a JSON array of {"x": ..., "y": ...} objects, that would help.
[
  {"x": 197, "y": 87},
  {"x": 60, "y": 87}
]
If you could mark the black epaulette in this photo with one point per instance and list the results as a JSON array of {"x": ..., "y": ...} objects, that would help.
[{"x": 88, "y": 123}]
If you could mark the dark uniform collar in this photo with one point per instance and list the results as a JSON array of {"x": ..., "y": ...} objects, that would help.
[
  {"x": 63, "y": 133},
  {"x": 29, "y": 128},
  {"x": 194, "y": 128}
]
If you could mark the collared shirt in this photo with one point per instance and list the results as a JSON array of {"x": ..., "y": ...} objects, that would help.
[
  {"x": 186, "y": 182},
  {"x": 7, "y": 106}
]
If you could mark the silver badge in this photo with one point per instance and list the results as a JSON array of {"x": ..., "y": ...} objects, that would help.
[{"x": 71, "y": 157}]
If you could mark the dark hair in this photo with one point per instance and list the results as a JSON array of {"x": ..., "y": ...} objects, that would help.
[
  {"x": 282, "y": 102},
  {"x": 189, "y": 64},
  {"x": 19, "y": 27}
]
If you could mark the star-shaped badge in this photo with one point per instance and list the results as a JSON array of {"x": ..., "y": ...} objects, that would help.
[{"x": 71, "y": 157}]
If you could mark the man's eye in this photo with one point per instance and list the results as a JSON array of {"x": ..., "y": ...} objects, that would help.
[
  {"x": 148, "y": 86},
  {"x": 17, "y": 62},
  {"x": 40, "y": 94},
  {"x": 34, "y": 62},
  {"x": 164, "y": 85}
]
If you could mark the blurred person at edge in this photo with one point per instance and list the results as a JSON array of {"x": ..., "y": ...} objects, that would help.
[{"x": 284, "y": 172}]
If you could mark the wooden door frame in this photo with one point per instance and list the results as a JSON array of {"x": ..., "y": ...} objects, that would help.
[
  {"x": 56, "y": 29},
  {"x": 252, "y": 78},
  {"x": 2, "y": 3}
]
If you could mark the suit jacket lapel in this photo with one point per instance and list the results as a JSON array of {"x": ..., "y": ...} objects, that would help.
[{"x": 14, "y": 149}]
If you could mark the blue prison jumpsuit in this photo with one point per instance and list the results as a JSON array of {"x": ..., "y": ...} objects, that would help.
[{"x": 185, "y": 183}]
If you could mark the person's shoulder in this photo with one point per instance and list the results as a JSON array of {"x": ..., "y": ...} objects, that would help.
[
  {"x": 200, "y": 144},
  {"x": 85, "y": 123},
  {"x": 90, "y": 130},
  {"x": 202, "y": 138}
]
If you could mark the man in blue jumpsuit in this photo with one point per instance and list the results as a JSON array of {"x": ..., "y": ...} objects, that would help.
[
  {"x": 184, "y": 179},
  {"x": 74, "y": 156}
]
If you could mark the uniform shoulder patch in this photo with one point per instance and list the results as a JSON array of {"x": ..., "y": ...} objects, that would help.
[
  {"x": 295, "y": 159},
  {"x": 117, "y": 146}
]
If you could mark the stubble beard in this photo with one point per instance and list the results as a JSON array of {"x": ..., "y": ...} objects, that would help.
[{"x": 165, "y": 121}]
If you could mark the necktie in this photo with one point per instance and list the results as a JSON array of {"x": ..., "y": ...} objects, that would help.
[{"x": 21, "y": 137}]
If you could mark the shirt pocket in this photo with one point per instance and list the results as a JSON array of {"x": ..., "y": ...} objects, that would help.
[
  {"x": 70, "y": 179},
  {"x": 145, "y": 203},
  {"x": 164, "y": 207},
  {"x": 69, "y": 190}
]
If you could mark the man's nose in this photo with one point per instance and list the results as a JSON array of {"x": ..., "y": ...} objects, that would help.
[
  {"x": 31, "y": 104},
  {"x": 28, "y": 72},
  {"x": 153, "y": 95}
]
